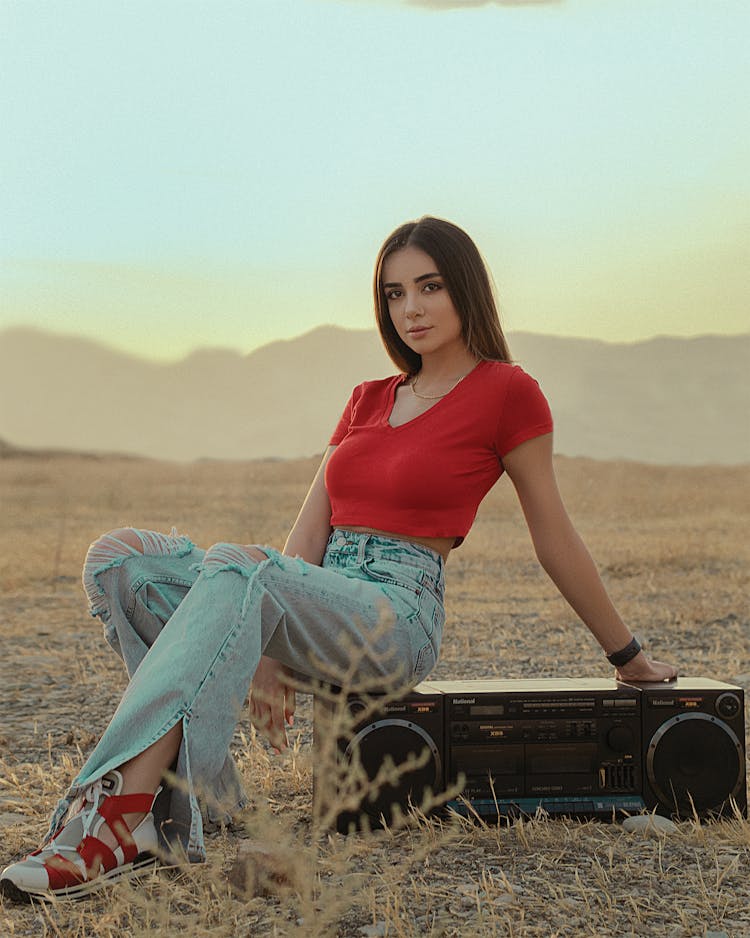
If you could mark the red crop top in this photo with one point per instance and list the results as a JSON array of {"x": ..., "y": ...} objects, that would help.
[{"x": 427, "y": 477}]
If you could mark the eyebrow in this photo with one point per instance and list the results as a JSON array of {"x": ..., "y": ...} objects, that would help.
[{"x": 416, "y": 279}]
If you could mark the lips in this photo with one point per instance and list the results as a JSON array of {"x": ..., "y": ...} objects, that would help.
[{"x": 418, "y": 330}]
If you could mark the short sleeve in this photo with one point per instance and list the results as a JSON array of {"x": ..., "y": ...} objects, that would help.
[
  {"x": 342, "y": 427},
  {"x": 524, "y": 415}
]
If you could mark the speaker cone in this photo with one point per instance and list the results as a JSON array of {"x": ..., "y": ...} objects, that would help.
[
  {"x": 694, "y": 761},
  {"x": 404, "y": 742}
]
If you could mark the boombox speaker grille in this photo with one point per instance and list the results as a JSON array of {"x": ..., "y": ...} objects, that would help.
[
  {"x": 695, "y": 761},
  {"x": 405, "y": 743}
]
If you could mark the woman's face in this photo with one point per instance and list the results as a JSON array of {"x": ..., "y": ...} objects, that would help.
[{"x": 419, "y": 304}]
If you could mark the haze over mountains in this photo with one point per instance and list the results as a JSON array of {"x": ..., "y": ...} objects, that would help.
[{"x": 666, "y": 400}]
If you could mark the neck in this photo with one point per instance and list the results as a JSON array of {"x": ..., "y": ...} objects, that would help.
[{"x": 447, "y": 366}]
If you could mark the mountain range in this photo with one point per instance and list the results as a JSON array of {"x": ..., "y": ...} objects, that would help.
[{"x": 665, "y": 400}]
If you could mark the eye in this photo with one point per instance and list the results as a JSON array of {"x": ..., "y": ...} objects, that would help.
[
  {"x": 392, "y": 294},
  {"x": 432, "y": 286}
]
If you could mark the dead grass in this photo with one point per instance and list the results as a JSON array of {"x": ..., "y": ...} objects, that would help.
[{"x": 673, "y": 548}]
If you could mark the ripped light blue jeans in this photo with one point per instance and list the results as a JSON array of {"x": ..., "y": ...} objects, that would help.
[{"x": 191, "y": 626}]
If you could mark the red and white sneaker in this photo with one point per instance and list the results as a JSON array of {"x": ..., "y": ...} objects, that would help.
[{"x": 75, "y": 862}]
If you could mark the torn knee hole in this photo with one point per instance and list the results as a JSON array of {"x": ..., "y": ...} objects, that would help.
[
  {"x": 255, "y": 553},
  {"x": 110, "y": 550},
  {"x": 127, "y": 536},
  {"x": 129, "y": 541},
  {"x": 115, "y": 547},
  {"x": 233, "y": 556}
]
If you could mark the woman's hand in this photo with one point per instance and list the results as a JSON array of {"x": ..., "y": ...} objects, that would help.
[
  {"x": 641, "y": 669},
  {"x": 272, "y": 701}
]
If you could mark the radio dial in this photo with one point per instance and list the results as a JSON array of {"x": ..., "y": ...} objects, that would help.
[{"x": 620, "y": 738}]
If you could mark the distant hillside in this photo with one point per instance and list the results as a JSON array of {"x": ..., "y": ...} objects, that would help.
[
  {"x": 17, "y": 452},
  {"x": 668, "y": 400}
]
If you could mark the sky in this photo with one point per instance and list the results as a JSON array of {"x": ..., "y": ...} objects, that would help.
[{"x": 177, "y": 174}]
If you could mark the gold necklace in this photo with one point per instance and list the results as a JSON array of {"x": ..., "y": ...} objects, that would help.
[{"x": 434, "y": 397}]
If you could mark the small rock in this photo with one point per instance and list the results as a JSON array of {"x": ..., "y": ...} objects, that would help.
[
  {"x": 505, "y": 898},
  {"x": 373, "y": 931},
  {"x": 649, "y": 825}
]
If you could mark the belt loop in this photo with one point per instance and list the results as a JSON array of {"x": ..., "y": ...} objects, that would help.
[{"x": 364, "y": 538}]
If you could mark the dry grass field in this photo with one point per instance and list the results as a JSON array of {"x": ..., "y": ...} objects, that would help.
[{"x": 672, "y": 545}]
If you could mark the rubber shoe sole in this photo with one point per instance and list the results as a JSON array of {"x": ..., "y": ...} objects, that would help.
[{"x": 142, "y": 863}]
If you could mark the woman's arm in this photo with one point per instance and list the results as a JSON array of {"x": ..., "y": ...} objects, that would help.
[
  {"x": 272, "y": 700},
  {"x": 310, "y": 532},
  {"x": 565, "y": 558}
]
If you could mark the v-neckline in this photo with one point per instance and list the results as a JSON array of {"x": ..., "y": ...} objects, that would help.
[{"x": 391, "y": 401}]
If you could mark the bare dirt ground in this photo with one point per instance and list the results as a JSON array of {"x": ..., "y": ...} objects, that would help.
[{"x": 672, "y": 545}]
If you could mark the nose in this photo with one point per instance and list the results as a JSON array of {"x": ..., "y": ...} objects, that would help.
[{"x": 412, "y": 306}]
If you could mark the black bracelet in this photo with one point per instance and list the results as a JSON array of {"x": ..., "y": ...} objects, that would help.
[{"x": 621, "y": 657}]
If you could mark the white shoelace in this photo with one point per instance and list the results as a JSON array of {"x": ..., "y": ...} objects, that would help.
[{"x": 88, "y": 816}]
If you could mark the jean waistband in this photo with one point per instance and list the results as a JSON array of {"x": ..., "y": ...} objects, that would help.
[{"x": 363, "y": 545}]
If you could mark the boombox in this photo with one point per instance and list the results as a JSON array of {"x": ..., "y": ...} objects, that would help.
[{"x": 500, "y": 749}]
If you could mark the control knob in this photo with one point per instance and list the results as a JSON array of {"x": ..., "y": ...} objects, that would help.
[{"x": 728, "y": 705}]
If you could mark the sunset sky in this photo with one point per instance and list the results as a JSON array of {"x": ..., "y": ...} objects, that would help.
[{"x": 176, "y": 174}]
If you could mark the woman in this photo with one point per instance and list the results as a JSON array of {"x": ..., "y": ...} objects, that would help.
[{"x": 357, "y": 593}]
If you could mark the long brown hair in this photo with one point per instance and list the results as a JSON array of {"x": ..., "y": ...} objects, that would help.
[{"x": 459, "y": 262}]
